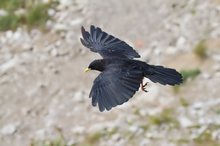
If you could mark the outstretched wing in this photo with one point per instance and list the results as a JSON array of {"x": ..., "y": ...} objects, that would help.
[
  {"x": 106, "y": 45},
  {"x": 115, "y": 87}
]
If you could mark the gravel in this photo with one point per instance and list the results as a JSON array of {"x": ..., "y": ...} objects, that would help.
[{"x": 43, "y": 87}]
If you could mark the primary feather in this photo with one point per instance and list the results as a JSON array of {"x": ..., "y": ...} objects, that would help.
[{"x": 106, "y": 45}]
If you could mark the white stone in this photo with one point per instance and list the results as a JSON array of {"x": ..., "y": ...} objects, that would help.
[
  {"x": 51, "y": 12},
  {"x": 181, "y": 43},
  {"x": 216, "y": 135},
  {"x": 143, "y": 112},
  {"x": 171, "y": 50},
  {"x": 54, "y": 52},
  {"x": 8, "y": 64},
  {"x": 185, "y": 122},
  {"x": 144, "y": 142},
  {"x": 157, "y": 51},
  {"x": 78, "y": 96},
  {"x": 3, "y": 12},
  {"x": 133, "y": 128},
  {"x": 216, "y": 68},
  {"x": 66, "y": 2},
  {"x": 116, "y": 137},
  {"x": 40, "y": 134},
  {"x": 206, "y": 76},
  {"x": 216, "y": 57},
  {"x": 17, "y": 35},
  {"x": 60, "y": 26},
  {"x": 96, "y": 127},
  {"x": 8, "y": 129},
  {"x": 20, "y": 12},
  {"x": 76, "y": 21},
  {"x": 9, "y": 34},
  {"x": 79, "y": 130}
]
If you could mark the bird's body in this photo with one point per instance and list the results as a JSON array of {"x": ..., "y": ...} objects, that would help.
[{"x": 121, "y": 75}]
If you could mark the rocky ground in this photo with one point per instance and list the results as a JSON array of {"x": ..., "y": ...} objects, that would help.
[{"x": 44, "y": 92}]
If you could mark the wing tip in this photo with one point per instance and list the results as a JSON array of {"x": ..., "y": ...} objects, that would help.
[
  {"x": 92, "y": 28},
  {"x": 83, "y": 29}
]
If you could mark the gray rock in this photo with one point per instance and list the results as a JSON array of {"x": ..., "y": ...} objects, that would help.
[
  {"x": 185, "y": 122},
  {"x": 78, "y": 130},
  {"x": 171, "y": 50},
  {"x": 40, "y": 134},
  {"x": 8, "y": 64},
  {"x": 144, "y": 142},
  {"x": 9, "y": 34},
  {"x": 54, "y": 52},
  {"x": 216, "y": 57},
  {"x": 60, "y": 27},
  {"x": 206, "y": 76},
  {"x": 3, "y": 12},
  {"x": 66, "y": 3},
  {"x": 181, "y": 43},
  {"x": 78, "y": 96},
  {"x": 8, "y": 129},
  {"x": 51, "y": 12},
  {"x": 216, "y": 67},
  {"x": 133, "y": 129},
  {"x": 116, "y": 137},
  {"x": 20, "y": 12},
  {"x": 216, "y": 135},
  {"x": 76, "y": 21},
  {"x": 96, "y": 127},
  {"x": 71, "y": 142}
]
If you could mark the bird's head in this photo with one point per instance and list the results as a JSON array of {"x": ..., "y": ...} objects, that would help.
[{"x": 98, "y": 65}]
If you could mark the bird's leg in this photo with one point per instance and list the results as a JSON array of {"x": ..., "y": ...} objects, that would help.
[{"x": 143, "y": 86}]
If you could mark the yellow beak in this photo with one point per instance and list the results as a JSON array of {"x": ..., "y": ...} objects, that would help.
[{"x": 87, "y": 69}]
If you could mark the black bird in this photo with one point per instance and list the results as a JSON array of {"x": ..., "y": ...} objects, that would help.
[{"x": 120, "y": 76}]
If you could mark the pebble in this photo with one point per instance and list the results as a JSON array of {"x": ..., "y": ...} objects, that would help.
[
  {"x": 54, "y": 52},
  {"x": 9, "y": 34},
  {"x": 20, "y": 12},
  {"x": 185, "y": 122},
  {"x": 8, "y": 129},
  {"x": 143, "y": 112},
  {"x": 51, "y": 12},
  {"x": 96, "y": 127},
  {"x": 133, "y": 128},
  {"x": 144, "y": 142},
  {"x": 181, "y": 43},
  {"x": 66, "y": 3},
  {"x": 216, "y": 57},
  {"x": 3, "y": 13},
  {"x": 171, "y": 50},
  {"x": 216, "y": 135},
  {"x": 60, "y": 27},
  {"x": 78, "y": 130},
  {"x": 40, "y": 133},
  {"x": 206, "y": 76},
  {"x": 78, "y": 96},
  {"x": 8, "y": 64},
  {"x": 72, "y": 142},
  {"x": 216, "y": 67},
  {"x": 76, "y": 22},
  {"x": 116, "y": 137}
]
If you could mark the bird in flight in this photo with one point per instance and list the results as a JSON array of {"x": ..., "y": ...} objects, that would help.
[{"x": 121, "y": 75}]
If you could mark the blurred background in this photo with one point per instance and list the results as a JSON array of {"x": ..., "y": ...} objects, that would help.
[{"x": 44, "y": 91}]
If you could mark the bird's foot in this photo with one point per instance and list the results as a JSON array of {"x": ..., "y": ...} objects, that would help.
[{"x": 143, "y": 87}]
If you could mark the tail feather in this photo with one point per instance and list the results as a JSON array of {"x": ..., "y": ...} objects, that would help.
[{"x": 163, "y": 75}]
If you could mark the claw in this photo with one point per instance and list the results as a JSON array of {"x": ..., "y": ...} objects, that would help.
[{"x": 143, "y": 86}]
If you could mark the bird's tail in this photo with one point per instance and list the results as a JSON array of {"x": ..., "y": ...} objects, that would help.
[{"x": 163, "y": 75}]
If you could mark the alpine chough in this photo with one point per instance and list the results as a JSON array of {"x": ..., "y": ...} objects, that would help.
[{"x": 121, "y": 75}]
